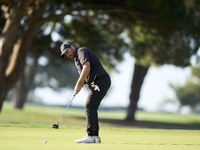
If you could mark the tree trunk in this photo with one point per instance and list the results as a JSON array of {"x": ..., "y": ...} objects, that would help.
[
  {"x": 138, "y": 78},
  {"x": 24, "y": 85},
  {"x": 7, "y": 41},
  {"x": 3, "y": 95},
  {"x": 20, "y": 93},
  {"x": 16, "y": 65},
  {"x": 16, "y": 41}
]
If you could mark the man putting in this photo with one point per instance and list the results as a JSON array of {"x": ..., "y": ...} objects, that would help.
[{"x": 92, "y": 73}]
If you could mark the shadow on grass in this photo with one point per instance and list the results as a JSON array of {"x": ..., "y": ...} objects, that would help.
[
  {"x": 151, "y": 124},
  {"x": 147, "y": 124}
]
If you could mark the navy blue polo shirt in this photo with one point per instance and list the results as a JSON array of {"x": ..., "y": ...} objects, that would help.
[{"x": 96, "y": 69}]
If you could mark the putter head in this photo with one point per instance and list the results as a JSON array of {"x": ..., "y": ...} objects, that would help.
[{"x": 55, "y": 126}]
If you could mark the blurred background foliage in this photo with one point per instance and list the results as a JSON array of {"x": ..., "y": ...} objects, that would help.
[{"x": 153, "y": 32}]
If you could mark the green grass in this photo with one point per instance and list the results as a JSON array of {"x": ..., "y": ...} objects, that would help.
[
  {"x": 28, "y": 128},
  {"x": 112, "y": 138},
  {"x": 41, "y": 114}
]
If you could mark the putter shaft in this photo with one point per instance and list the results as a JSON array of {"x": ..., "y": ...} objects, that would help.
[{"x": 66, "y": 108}]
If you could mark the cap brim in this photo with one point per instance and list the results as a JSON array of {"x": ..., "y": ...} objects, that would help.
[
  {"x": 62, "y": 56},
  {"x": 63, "y": 53}
]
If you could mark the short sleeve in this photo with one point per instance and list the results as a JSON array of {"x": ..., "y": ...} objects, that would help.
[{"x": 83, "y": 56}]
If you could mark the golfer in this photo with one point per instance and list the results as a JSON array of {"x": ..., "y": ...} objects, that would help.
[{"x": 92, "y": 73}]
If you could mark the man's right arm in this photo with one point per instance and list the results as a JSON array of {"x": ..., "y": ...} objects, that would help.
[{"x": 84, "y": 73}]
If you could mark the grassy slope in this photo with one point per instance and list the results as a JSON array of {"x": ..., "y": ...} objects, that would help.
[{"x": 37, "y": 114}]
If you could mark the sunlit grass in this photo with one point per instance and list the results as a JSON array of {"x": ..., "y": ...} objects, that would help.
[
  {"x": 28, "y": 128},
  {"x": 31, "y": 138}
]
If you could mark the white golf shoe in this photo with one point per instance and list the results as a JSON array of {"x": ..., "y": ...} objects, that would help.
[
  {"x": 97, "y": 139},
  {"x": 86, "y": 139}
]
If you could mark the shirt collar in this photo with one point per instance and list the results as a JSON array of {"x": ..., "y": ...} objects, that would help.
[{"x": 76, "y": 55}]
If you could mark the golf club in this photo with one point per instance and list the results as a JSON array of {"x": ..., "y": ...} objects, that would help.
[{"x": 56, "y": 126}]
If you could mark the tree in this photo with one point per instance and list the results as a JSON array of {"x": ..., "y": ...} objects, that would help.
[
  {"x": 40, "y": 44},
  {"x": 171, "y": 40},
  {"x": 168, "y": 17},
  {"x": 88, "y": 35},
  {"x": 23, "y": 19},
  {"x": 188, "y": 94},
  {"x": 20, "y": 23}
]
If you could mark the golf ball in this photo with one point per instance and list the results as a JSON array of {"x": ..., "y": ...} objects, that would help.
[{"x": 45, "y": 141}]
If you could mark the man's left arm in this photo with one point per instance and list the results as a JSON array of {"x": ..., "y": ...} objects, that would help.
[{"x": 84, "y": 73}]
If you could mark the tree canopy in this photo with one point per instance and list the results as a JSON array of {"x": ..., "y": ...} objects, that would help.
[
  {"x": 188, "y": 94},
  {"x": 164, "y": 31}
]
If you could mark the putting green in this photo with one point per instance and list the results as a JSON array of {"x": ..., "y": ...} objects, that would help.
[
  {"x": 27, "y": 129},
  {"x": 32, "y": 138}
]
